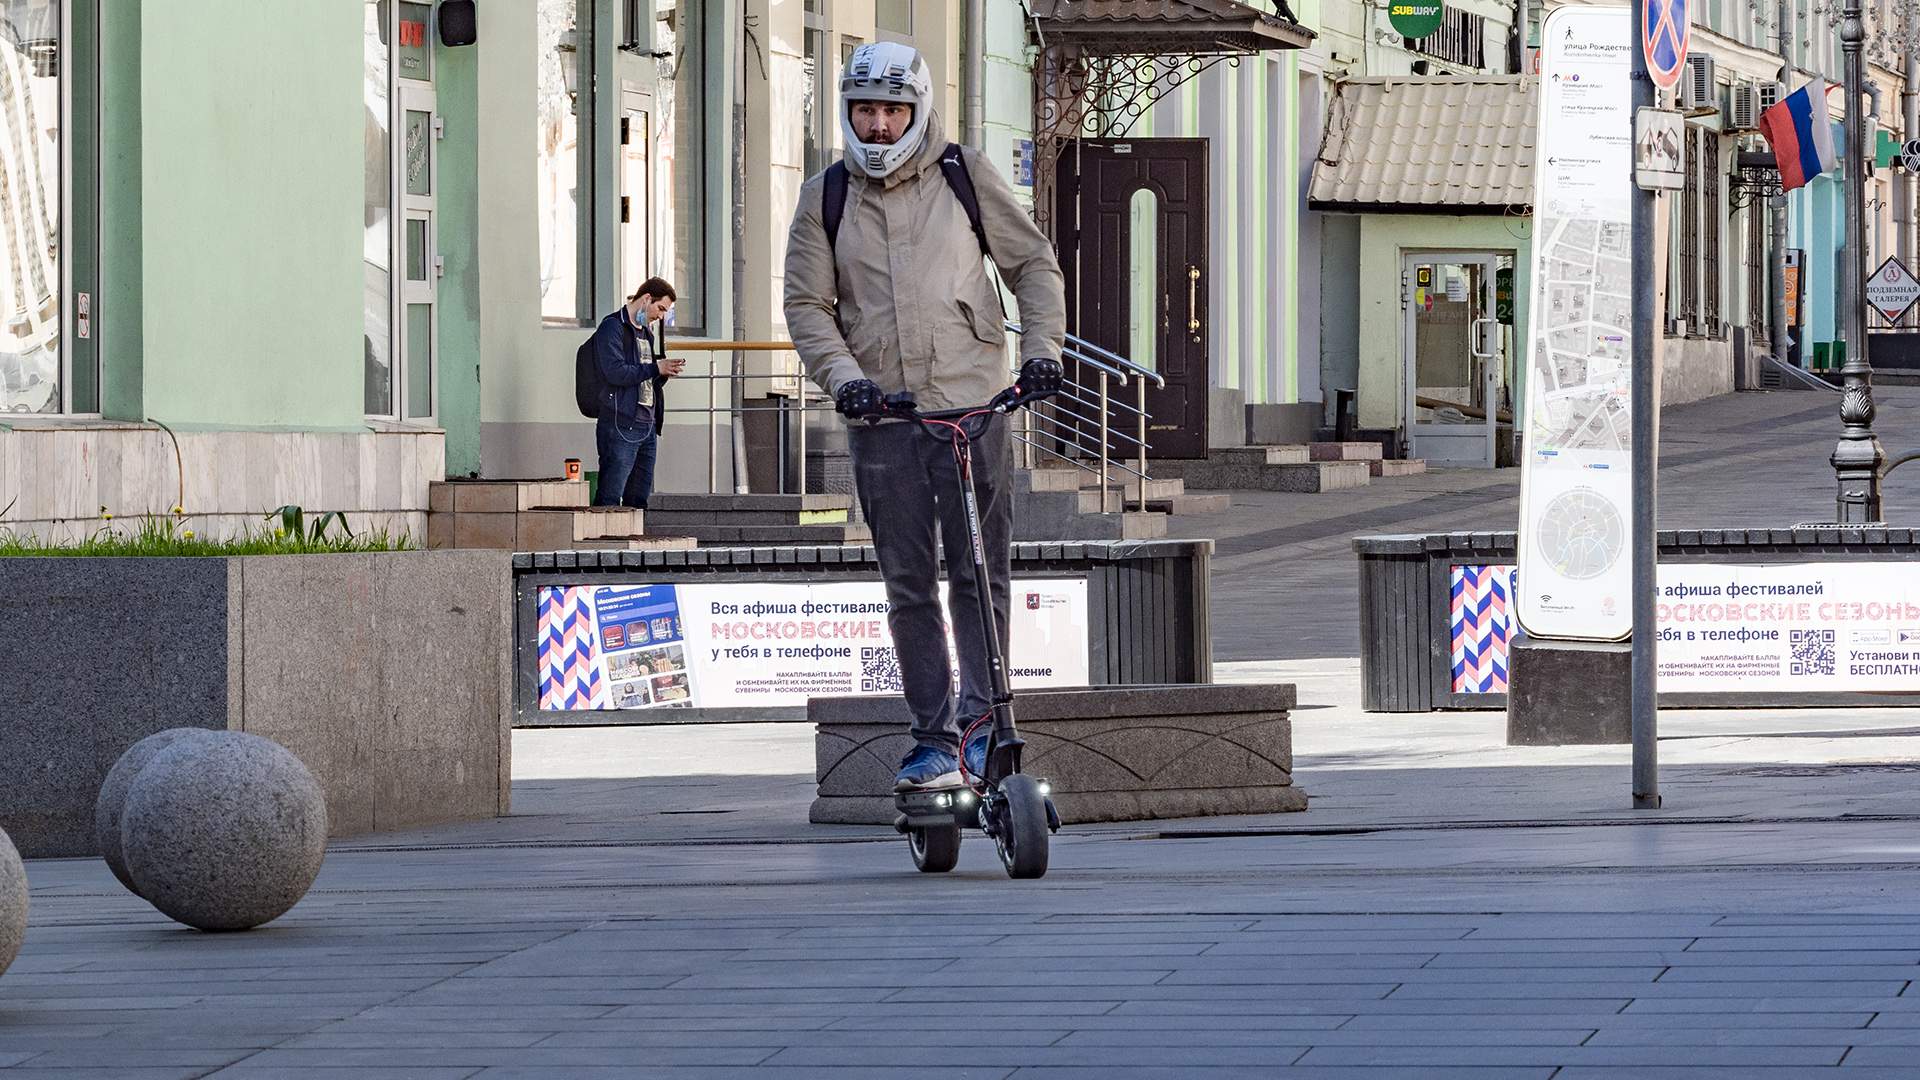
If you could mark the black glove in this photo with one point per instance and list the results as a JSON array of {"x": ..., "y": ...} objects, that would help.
[
  {"x": 1041, "y": 377},
  {"x": 860, "y": 399}
]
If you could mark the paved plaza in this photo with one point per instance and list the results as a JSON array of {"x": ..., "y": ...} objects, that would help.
[
  {"x": 657, "y": 906},
  {"x": 1284, "y": 561}
]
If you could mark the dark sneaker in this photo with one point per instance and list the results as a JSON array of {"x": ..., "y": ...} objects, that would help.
[
  {"x": 975, "y": 752},
  {"x": 927, "y": 766}
]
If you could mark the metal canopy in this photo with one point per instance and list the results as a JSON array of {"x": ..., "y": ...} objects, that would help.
[
  {"x": 1162, "y": 27},
  {"x": 1103, "y": 64}
]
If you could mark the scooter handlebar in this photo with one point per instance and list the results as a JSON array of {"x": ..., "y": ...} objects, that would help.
[{"x": 900, "y": 406}]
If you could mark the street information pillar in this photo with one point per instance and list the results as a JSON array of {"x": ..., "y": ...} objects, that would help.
[{"x": 1585, "y": 505}]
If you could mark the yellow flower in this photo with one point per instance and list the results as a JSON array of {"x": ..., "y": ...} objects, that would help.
[
  {"x": 188, "y": 534},
  {"x": 281, "y": 533},
  {"x": 177, "y": 511}
]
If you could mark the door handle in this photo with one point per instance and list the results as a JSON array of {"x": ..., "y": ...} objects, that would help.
[
  {"x": 1481, "y": 338},
  {"x": 1193, "y": 299}
]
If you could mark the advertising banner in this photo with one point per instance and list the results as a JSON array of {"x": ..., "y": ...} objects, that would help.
[
  {"x": 763, "y": 645},
  {"x": 1576, "y": 472},
  {"x": 1735, "y": 628}
]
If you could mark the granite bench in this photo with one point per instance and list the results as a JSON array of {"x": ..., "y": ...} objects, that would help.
[{"x": 1111, "y": 753}]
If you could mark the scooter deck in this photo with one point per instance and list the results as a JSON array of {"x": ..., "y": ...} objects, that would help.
[{"x": 933, "y": 807}]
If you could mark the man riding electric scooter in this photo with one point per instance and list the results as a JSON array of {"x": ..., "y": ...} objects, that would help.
[{"x": 887, "y": 292}]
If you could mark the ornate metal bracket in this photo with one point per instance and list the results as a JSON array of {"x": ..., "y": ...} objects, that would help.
[{"x": 1753, "y": 182}]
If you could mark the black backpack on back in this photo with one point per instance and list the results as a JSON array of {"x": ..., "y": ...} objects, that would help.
[
  {"x": 589, "y": 389},
  {"x": 833, "y": 200}
]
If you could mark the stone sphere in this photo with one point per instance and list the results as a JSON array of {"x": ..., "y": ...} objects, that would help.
[
  {"x": 113, "y": 796},
  {"x": 224, "y": 832},
  {"x": 13, "y": 902}
]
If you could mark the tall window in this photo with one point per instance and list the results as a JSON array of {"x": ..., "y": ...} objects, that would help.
[
  {"x": 681, "y": 140},
  {"x": 378, "y": 239},
  {"x": 1710, "y": 231},
  {"x": 817, "y": 104},
  {"x": 1689, "y": 229},
  {"x": 563, "y": 55},
  {"x": 32, "y": 173},
  {"x": 1759, "y": 289},
  {"x": 1461, "y": 39},
  {"x": 893, "y": 17}
]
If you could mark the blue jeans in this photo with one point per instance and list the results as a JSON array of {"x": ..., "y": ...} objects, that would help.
[{"x": 626, "y": 463}]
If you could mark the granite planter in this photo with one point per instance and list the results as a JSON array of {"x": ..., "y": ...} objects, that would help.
[
  {"x": 387, "y": 673},
  {"x": 1111, "y": 753}
]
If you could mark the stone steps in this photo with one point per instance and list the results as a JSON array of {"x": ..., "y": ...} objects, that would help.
[
  {"x": 1345, "y": 451},
  {"x": 776, "y": 535},
  {"x": 757, "y": 519},
  {"x": 1192, "y": 502},
  {"x": 1310, "y": 476},
  {"x": 1398, "y": 467}
]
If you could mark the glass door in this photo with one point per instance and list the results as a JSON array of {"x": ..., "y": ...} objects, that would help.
[{"x": 1454, "y": 366}]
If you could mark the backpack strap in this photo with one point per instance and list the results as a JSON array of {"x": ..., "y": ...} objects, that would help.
[
  {"x": 833, "y": 201},
  {"x": 954, "y": 165}
]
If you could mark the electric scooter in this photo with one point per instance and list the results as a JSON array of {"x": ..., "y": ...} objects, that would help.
[{"x": 1015, "y": 809}]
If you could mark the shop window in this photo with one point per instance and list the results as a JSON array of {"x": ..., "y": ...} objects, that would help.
[
  {"x": 41, "y": 370},
  {"x": 563, "y": 60}
]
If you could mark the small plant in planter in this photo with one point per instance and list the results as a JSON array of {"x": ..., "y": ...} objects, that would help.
[{"x": 158, "y": 536}]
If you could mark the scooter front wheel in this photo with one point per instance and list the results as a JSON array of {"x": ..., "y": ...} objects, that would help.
[
  {"x": 1022, "y": 833},
  {"x": 936, "y": 848}
]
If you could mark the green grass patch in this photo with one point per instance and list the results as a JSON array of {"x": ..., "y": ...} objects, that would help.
[{"x": 287, "y": 531}]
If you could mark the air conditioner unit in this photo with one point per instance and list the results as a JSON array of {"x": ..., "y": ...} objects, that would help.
[
  {"x": 1771, "y": 94},
  {"x": 1699, "y": 87},
  {"x": 1743, "y": 108}
]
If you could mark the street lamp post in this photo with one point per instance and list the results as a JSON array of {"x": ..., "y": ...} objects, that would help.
[{"x": 1858, "y": 457}]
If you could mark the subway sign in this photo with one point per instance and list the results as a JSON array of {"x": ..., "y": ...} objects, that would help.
[{"x": 1415, "y": 20}]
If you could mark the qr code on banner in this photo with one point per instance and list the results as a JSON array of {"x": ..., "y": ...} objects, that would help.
[
  {"x": 879, "y": 670},
  {"x": 1812, "y": 651}
]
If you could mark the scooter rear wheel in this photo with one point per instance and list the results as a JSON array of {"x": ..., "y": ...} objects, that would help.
[
  {"x": 936, "y": 849},
  {"x": 1022, "y": 835}
]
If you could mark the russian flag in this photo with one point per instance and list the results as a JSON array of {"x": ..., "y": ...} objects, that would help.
[{"x": 1801, "y": 134}]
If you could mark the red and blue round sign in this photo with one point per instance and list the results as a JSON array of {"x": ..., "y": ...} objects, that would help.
[{"x": 1665, "y": 41}]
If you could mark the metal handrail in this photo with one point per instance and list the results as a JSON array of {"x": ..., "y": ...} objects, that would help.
[
  {"x": 1061, "y": 428},
  {"x": 1076, "y": 342},
  {"x": 1058, "y": 430},
  {"x": 1067, "y": 395}
]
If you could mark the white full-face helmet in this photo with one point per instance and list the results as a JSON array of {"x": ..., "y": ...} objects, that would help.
[{"x": 892, "y": 72}]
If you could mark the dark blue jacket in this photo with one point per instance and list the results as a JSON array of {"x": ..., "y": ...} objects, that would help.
[{"x": 625, "y": 366}]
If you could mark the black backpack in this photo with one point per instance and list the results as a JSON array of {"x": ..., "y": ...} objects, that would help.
[
  {"x": 589, "y": 389},
  {"x": 833, "y": 201}
]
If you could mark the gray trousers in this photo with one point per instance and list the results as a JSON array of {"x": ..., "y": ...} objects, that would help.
[{"x": 909, "y": 489}]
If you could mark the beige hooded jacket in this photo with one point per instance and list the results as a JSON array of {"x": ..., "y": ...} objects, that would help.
[{"x": 916, "y": 310}]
